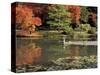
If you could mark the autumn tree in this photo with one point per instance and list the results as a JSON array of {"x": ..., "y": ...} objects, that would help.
[
  {"x": 58, "y": 17},
  {"x": 75, "y": 14},
  {"x": 25, "y": 17}
]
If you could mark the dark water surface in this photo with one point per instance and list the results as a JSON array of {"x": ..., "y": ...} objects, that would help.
[{"x": 30, "y": 50}]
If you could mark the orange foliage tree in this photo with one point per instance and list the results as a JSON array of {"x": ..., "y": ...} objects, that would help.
[
  {"x": 37, "y": 21},
  {"x": 25, "y": 17},
  {"x": 75, "y": 13}
]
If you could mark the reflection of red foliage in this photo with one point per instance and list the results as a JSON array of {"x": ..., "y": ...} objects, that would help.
[
  {"x": 75, "y": 51},
  {"x": 37, "y": 21},
  {"x": 28, "y": 54}
]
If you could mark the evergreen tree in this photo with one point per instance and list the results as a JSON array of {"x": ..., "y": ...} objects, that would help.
[{"x": 58, "y": 17}]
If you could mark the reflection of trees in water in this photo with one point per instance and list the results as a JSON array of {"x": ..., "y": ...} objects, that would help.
[
  {"x": 75, "y": 50},
  {"x": 28, "y": 54},
  {"x": 79, "y": 50}
]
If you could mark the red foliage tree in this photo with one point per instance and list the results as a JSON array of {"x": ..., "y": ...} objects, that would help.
[
  {"x": 75, "y": 13},
  {"x": 25, "y": 17},
  {"x": 37, "y": 21}
]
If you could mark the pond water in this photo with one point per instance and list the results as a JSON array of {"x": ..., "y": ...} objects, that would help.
[{"x": 36, "y": 51}]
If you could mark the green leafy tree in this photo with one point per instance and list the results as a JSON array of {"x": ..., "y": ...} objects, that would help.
[
  {"x": 59, "y": 17},
  {"x": 84, "y": 14}
]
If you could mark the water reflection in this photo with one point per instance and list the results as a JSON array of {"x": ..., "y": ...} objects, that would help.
[
  {"x": 78, "y": 50},
  {"x": 27, "y": 54},
  {"x": 75, "y": 51},
  {"x": 43, "y": 50}
]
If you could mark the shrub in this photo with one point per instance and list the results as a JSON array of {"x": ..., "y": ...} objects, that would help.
[
  {"x": 80, "y": 35},
  {"x": 92, "y": 30},
  {"x": 85, "y": 27},
  {"x": 69, "y": 31}
]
